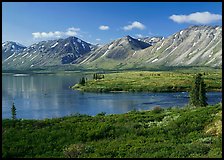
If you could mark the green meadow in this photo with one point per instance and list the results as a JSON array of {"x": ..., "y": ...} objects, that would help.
[
  {"x": 151, "y": 81},
  {"x": 157, "y": 133}
]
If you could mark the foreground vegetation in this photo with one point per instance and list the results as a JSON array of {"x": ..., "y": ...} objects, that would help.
[
  {"x": 149, "y": 81},
  {"x": 172, "y": 132}
]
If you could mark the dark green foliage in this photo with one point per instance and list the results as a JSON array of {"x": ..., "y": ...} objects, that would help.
[
  {"x": 82, "y": 81},
  {"x": 198, "y": 92},
  {"x": 13, "y": 111},
  {"x": 202, "y": 94},
  {"x": 98, "y": 76},
  {"x": 101, "y": 114},
  {"x": 94, "y": 76},
  {"x": 172, "y": 133}
]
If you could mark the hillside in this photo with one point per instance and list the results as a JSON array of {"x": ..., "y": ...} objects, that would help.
[
  {"x": 49, "y": 53},
  {"x": 193, "y": 46},
  {"x": 11, "y": 48},
  {"x": 170, "y": 133}
]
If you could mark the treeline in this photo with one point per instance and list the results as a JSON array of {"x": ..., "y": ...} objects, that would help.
[{"x": 96, "y": 76}]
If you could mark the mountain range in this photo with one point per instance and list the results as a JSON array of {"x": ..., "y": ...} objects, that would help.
[{"x": 193, "y": 46}]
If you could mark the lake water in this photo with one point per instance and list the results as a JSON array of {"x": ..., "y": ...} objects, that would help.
[{"x": 41, "y": 96}]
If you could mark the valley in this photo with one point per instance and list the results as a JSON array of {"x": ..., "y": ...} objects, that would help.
[{"x": 112, "y": 80}]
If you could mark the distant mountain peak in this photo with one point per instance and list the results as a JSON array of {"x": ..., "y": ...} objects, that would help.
[
  {"x": 128, "y": 36},
  {"x": 197, "y": 45},
  {"x": 12, "y": 43},
  {"x": 9, "y": 48}
]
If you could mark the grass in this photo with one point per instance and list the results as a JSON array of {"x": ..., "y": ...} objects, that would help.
[
  {"x": 159, "y": 133},
  {"x": 149, "y": 81}
]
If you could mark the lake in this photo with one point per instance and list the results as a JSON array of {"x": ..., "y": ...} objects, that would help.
[{"x": 40, "y": 96}]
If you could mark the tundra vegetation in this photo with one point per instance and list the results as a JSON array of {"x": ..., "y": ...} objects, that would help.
[
  {"x": 149, "y": 81},
  {"x": 161, "y": 133}
]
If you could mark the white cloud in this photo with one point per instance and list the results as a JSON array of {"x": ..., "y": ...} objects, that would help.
[
  {"x": 98, "y": 39},
  {"x": 197, "y": 17},
  {"x": 135, "y": 24},
  {"x": 36, "y": 34},
  {"x": 104, "y": 27},
  {"x": 57, "y": 34}
]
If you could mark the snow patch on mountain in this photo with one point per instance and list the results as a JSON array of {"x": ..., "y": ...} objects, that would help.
[
  {"x": 155, "y": 60},
  {"x": 54, "y": 45}
]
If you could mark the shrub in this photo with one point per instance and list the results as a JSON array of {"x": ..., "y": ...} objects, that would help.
[
  {"x": 157, "y": 109},
  {"x": 101, "y": 114},
  {"x": 74, "y": 150}
]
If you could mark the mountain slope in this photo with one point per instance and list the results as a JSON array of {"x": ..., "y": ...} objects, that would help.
[
  {"x": 193, "y": 46},
  {"x": 9, "y": 48},
  {"x": 48, "y": 53},
  {"x": 113, "y": 53},
  {"x": 151, "y": 40}
]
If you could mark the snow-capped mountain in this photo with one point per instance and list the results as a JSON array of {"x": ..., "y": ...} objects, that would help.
[
  {"x": 48, "y": 53},
  {"x": 9, "y": 48},
  {"x": 193, "y": 46},
  {"x": 151, "y": 40},
  {"x": 119, "y": 49}
]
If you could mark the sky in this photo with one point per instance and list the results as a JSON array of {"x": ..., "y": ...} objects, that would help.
[{"x": 102, "y": 22}]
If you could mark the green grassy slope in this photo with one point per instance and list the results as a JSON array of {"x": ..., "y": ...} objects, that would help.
[
  {"x": 174, "y": 132},
  {"x": 149, "y": 81}
]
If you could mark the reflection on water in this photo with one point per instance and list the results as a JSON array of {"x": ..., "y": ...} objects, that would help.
[{"x": 47, "y": 96}]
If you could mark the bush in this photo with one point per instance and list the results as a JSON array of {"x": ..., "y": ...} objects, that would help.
[
  {"x": 215, "y": 153},
  {"x": 74, "y": 150},
  {"x": 101, "y": 114},
  {"x": 157, "y": 109}
]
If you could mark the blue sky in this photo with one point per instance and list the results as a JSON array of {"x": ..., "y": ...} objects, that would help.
[{"x": 102, "y": 22}]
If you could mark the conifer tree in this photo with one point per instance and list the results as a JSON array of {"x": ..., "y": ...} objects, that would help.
[
  {"x": 202, "y": 94},
  {"x": 198, "y": 92},
  {"x": 82, "y": 81},
  {"x": 94, "y": 76},
  {"x": 13, "y": 111}
]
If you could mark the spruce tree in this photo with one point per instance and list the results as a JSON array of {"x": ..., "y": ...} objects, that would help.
[
  {"x": 198, "y": 92},
  {"x": 94, "y": 76},
  {"x": 82, "y": 81},
  {"x": 202, "y": 94},
  {"x": 13, "y": 111}
]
